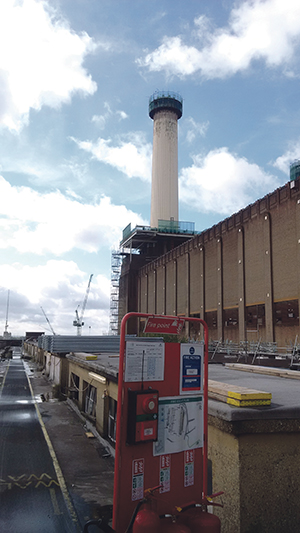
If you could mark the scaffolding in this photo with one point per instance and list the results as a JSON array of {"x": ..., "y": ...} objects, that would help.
[{"x": 116, "y": 264}]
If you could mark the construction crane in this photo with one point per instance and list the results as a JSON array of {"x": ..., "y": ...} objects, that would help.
[
  {"x": 78, "y": 322},
  {"x": 48, "y": 321},
  {"x": 5, "y": 333}
]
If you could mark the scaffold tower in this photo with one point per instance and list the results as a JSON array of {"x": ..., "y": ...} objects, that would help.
[{"x": 116, "y": 264}]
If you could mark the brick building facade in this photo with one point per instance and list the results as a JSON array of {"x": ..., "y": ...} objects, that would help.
[{"x": 241, "y": 275}]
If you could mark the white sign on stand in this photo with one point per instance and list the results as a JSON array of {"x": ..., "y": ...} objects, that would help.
[
  {"x": 180, "y": 424},
  {"x": 145, "y": 361}
]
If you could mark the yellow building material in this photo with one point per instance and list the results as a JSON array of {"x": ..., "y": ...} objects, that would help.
[
  {"x": 236, "y": 395},
  {"x": 249, "y": 394},
  {"x": 247, "y": 403},
  {"x": 86, "y": 356}
]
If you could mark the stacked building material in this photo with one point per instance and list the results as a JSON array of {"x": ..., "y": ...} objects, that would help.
[
  {"x": 108, "y": 344},
  {"x": 267, "y": 371},
  {"x": 73, "y": 343},
  {"x": 238, "y": 396}
]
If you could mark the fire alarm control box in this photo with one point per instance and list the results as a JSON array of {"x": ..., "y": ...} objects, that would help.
[{"x": 142, "y": 416}]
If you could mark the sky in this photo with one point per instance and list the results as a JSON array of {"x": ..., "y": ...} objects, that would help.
[{"x": 76, "y": 138}]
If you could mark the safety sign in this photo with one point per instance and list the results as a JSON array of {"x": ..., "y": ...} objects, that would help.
[
  {"x": 165, "y": 473},
  {"x": 180, "y": 424},
  {"x": 189, "y": 468},
  {"x": 172, "y": 326},
  {"x": 191, "y": 368},
  {"x": 145, "y": 361},
  {"x": 137, "y": 479}
]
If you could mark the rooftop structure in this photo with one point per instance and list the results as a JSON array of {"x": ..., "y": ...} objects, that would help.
[{"x": 295, "y": 170}]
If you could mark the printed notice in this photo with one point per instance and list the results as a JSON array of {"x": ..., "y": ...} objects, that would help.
[
  {"x": 180, "y": 424},
  {"x": 145, "y": 361},
  {"x": 137, "y": 492},
  {"x": 165, "y": 473},
  {"x": 191, "y": 368},
  {"x": 189, "y": 459}
]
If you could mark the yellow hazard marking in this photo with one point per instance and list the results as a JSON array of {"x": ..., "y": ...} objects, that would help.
[
  {"x": 58, "y": 471},
  {"x": 56, "y": 508},
  {"x": 23, "y": 482},
  {"x": 248, "y": 403},
  {"x": 47, "y": 485}
]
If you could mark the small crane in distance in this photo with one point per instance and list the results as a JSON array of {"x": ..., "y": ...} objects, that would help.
[
  {"x": 48, "y": 321},
  {"x": 78, "y": 322},
  {"x": 6, "y": 334}
]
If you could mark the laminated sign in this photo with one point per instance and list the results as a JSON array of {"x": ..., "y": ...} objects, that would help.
[{"x": 191, "y": 369}]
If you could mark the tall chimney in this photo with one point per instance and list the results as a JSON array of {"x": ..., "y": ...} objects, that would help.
[{"x": 165, "y": 108}]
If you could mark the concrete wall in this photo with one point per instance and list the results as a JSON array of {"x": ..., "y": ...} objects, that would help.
[
  {"x": 241, "y": 275},
  {"x": 258, "y": 470}
]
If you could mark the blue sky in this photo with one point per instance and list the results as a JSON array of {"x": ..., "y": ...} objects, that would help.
[{"x": 76, "y": 138}]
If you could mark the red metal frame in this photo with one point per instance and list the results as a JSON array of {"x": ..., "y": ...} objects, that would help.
[{"x": 120, "y": 425}]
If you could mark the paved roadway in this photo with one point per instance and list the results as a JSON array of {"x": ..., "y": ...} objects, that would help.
[{"x": 32, "y": 493}]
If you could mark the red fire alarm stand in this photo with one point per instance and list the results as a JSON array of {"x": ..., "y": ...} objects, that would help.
[
  {"x": 161, "y": 438},
  {"x": 142, "y": 416}
]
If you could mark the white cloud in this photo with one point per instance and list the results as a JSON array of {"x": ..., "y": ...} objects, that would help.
[
  {"x": 122, "y": 115},
  {"x": 283, "y": 162},
  {"x": 132, "y": 156},
  {"x": 101, "y": 120},
  {"x": 51, "y": 222},
  {"x": 195, "y": 128},
  {"x": 41, "y": 61},
  {"x": 223, "y": 183},
  {"x": 257, "y": 30},
  {"x": 59, "y": 287}
]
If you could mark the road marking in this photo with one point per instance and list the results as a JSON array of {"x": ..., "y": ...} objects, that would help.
[
  {"x": 23, "y": 482},
  {"x": 58, "y": 471},
  {"x": 54, "y": 502},
  {"x": 2, "y": 384}
]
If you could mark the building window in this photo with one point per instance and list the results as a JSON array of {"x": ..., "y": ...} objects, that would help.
[
  {"x": 90, "y": 401},
  {"x": 286, "y": 313},
  {"x": 211, "y": 319},
  {"x": 194, "y": 327},
  {"x": 231, "y": 317},
  {"x": 74, "y": 387},
  {"x": 112, "y": 420},
  {"x": 255, "y": 317}
]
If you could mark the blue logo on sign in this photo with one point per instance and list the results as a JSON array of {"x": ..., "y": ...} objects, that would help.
[{"x": 192, "y": 350}]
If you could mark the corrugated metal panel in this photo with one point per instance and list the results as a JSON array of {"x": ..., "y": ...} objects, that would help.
[
  {"x": 108, "y": 344},
  {"x": 72, "y": 343}
]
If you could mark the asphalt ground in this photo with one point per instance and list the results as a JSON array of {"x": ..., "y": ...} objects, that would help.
[
  {"x": 53, "y": 477},
  {"x": 31, "y": 495}
]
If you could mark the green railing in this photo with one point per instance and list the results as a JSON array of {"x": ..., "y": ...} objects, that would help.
[{"x": 176, "y": 226}]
